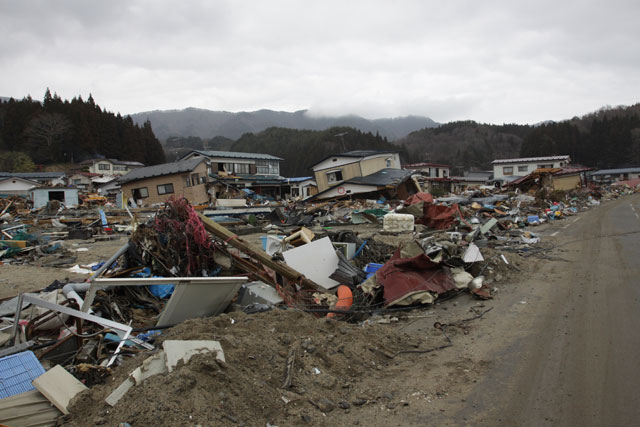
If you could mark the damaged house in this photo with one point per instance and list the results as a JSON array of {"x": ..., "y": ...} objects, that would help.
[
  {"x": 155, "y": 184},
  {"x": 257, "y": 172},
  {"x": 367, "y": 173},
  {"x": 507, "y": 170}
]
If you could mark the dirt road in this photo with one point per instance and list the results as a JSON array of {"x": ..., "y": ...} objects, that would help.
[{"x": 565, "y": 345}]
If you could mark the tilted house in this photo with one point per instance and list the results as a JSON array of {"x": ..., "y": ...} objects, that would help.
[
  {"x": 338, "y": 168},
  {"x": 389, "y": 183},
  {"x": 155, "y": 184}
]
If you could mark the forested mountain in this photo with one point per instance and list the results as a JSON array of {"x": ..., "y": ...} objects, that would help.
[
  {"x": 608, "y": 138},
  {"x": 57, "y": 131},
  {"x": 207, "y": 124},
  {"x": 465, "y": 144},
  {"x": 301, "y": 149}
]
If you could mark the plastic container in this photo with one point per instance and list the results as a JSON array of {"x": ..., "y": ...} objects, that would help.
[
  {"x": 17, "y": 372},
  {"x": 398, "y": 223}
]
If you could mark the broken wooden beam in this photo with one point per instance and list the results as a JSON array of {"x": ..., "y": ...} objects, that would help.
[{"x": 258, "y": 254}]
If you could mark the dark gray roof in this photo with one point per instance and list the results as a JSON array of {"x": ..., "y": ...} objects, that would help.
[
  {"x": 615, "y": 171},
  {"x": 530, "y": 159},
  {"x": 234, "y": 155},
  {"x": 161, "y": 170},
  {"x": 125, "y": 162},
  {"x": 383, "y": 177},
  {"x": 33, "y": 175}
]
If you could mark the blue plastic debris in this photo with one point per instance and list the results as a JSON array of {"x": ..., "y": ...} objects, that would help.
[
  {"x": 161, "y": 291},
  {"x": 533, "y": 219},
  {"x": 149, "y": 335},
  {"x": 16, "y": 373},
  {"x": 371, "y": 268}
]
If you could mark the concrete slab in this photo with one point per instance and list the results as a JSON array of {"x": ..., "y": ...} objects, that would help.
[
  {"x": 59, "y": 386},
  {"x": 179, "y": 350}
]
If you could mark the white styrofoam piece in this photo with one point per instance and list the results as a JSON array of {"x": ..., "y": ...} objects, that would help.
[
  {"x": 177, "y": 350},
  {"x": 472, "y": 254},
  {"x": 316, "y": 260},
  {"x": 398, "y": 223}
]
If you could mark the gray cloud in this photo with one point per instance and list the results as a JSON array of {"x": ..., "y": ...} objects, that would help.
[{"x": 493, "y": 61}]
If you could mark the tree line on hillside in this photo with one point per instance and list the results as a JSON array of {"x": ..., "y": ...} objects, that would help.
[
  {"x": 608, "y": 138},
  {"x": 57, "y": 131}
]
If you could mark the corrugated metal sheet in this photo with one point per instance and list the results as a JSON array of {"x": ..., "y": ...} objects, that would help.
[{"x": 402, "y": 277}]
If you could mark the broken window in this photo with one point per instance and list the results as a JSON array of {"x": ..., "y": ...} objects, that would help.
[
  {"x": 165, "y": 189},
  {"x": 507, "y": 170},
  {"x": 140, "y": 193},
  {"x": 334, "y": 177},
  {"x": 195, "y": 179}
]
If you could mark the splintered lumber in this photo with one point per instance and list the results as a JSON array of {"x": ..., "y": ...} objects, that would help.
[{"x": 232, "y": 239}]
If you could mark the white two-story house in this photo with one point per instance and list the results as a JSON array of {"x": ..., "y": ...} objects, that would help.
[{"x": 509, "y": 169}]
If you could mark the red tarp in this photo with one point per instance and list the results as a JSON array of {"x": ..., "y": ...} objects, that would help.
[
  {"x": 401, "y": 277},
  {"x": 419, "y": 197},
  {"x": 438, "y": 217}
]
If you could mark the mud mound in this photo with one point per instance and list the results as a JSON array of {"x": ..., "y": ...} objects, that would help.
[{"x": 332, "y": 359}]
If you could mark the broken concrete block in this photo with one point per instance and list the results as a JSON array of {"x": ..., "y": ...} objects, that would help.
[
  {"x": 153, "y": 365},
  {"x": 59, "y": 386},
  {"x": 178, "y": 350}
]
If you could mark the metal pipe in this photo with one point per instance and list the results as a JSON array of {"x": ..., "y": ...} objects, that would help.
[{"x": 110, "y": 261}]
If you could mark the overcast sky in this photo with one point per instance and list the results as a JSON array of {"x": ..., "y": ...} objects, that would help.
[{"x": 489, "y": 61}]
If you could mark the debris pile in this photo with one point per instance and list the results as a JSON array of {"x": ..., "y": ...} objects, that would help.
[{"x": 173, "y": 308}]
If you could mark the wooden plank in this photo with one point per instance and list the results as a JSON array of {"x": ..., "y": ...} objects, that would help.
[
  {"x": 257, "y": 254},
  {"x": 59, "y": 386},
  {"x": 21, "y": 244}
]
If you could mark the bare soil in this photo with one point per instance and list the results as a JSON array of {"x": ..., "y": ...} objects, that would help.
[{"x": 17, "y": 277}]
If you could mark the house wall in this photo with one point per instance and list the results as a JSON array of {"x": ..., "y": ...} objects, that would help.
[
  {"x": 349, "y": 171},
  {"x": 498, "y": 170},
  {"x": 15, "y": 186},
  {"x": 371, "y": 165},
  {"x": 41, "y": 196},
  {"x": 196, "y": 194},
  {"x": 566, "y": 182},
  {"x": 95, "y": 168}
]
